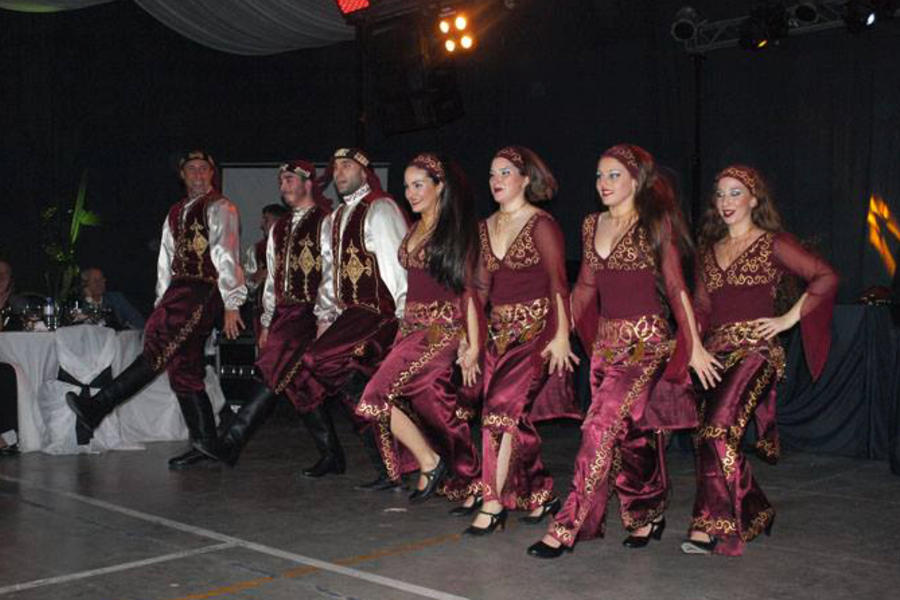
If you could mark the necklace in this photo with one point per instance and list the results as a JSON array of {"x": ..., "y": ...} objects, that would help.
[
  {"x": 505, "y": 218},
  {"x": 624, "y": 220}
]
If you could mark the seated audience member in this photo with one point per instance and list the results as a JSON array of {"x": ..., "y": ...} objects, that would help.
[
  {"x": 97, "y": 300},
  {"x": 8, "y": 411},
  {"x": 11, "y": 305}
]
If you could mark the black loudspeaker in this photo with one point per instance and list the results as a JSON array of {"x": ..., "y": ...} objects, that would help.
[
  {"x": 235, "y": 365},
  {"x": 414, "y": 87}
]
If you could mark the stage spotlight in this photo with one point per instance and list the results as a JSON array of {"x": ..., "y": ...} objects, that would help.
[
  {"x": 754, "y": 35},
  {"x": 456, "y": 28},
  {"x": 858, "y": 16},
  {"x": 684, "y": 27},
  {"x": 765, "y": 25},
  {"x": 806, "y": 13}
]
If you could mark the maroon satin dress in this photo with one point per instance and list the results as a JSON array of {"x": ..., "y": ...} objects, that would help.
[
  {"x": 730, "y": 505},
  {"x": 522, "y": 290},
  {"x": 638, "y": 387},
  {"x": 419, "y": 376}
]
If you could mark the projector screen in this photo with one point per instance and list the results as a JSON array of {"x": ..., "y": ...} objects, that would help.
[{"x": 251, "y": 186}]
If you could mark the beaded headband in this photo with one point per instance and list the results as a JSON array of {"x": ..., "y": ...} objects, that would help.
[
  {"x": 625, "y": 155},
  {"x": 353, "y": 154},
  {"x": 511, "y": 154},
  {"x": 746, "y": 175},
  {"x": 302, "y": 168},
  {"x": 196, "y": 155},
  {"x": 429, "y": 163}
]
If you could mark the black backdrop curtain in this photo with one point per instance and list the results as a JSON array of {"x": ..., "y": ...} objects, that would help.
[
  {"x": 111, "y": 90},
  {"x": 854, "y": 407}
]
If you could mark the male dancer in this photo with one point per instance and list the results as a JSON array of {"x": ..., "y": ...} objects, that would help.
[
  {"x": 198, "y": 275},
  {"x": 361, "y": 298},
  {"x": 294, "y": 272}
]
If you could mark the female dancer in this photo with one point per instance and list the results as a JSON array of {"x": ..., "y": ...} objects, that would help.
[
  {"x": 414, "y": 391},
  {"x": 632, "y": 251},
  {"x": 527, "y": 358},
  {"x": 743, "y": 255}
]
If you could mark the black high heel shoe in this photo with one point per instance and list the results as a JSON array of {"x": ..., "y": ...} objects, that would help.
[
  {"x": 465, "y": 511},
  {"x": 690, "y": 546},
  {"x": 542, "y": 550},
  {"x": 551, "y": 507},
  {"x": 433, "y": 479},
  {"x": 498, "y": 520},
  {"x": 639, "y": 541}
]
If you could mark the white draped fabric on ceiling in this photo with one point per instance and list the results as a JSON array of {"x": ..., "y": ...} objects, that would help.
[{"x": 253, "y": 27}]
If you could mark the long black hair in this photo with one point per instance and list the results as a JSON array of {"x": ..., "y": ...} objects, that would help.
[{"x": 450, "y": 254}]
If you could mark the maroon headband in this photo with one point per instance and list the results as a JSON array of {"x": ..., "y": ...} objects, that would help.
[
  {"x": 512, "y": 154},
  {"x": 746, "y": 175},
  {"x": 353, "y": 154},
  {"x": 302, "y": 168},
  {"x": 197, "y": 155},
  {"x": 429, "y": 163},
  {"x": 625, "y": 155}
]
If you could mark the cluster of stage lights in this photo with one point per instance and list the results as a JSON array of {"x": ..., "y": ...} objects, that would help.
[
  {"x": 456, "y": 31},
  {"x": 771, "y": 20}
]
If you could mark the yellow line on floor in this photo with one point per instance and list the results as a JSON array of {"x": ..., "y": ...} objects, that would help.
[
  {"x": 390, "y": 551},
  {"x": 307, "y": 570},
  {"x": 229, "y": 589}
]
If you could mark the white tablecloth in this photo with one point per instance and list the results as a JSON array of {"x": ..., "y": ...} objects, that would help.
[{"x": 151, "y": 415}]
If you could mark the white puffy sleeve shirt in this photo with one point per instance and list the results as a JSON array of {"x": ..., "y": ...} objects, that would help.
[
  {"x": 385, "y": 227},
  {"x": 224, "y": 250}
]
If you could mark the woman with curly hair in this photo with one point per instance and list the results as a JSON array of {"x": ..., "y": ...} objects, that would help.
[
  {"x": 631, "y": 277},
  {"x": 743, "y": 255},
  {"x": 528, "y": 360}
]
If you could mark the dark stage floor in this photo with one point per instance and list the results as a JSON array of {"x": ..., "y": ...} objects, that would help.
[{"x": 121, "y": 526}]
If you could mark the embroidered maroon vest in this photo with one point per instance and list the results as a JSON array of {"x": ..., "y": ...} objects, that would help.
[
  {"x": 192, "y": 258},
  {"x": 298, "y": 256},
  {"x": 357, "y": 281}
]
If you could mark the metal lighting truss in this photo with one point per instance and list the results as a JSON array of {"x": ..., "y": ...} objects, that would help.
[{"x": 713, "y": 35}]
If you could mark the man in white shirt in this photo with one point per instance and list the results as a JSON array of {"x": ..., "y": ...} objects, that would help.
[
  {"x": 199, "y": 276},
  {"x": 361, "y": 297}
]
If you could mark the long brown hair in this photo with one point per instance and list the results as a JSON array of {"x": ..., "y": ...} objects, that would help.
[
  {"x": 451, "y": 251},
  {"x": 654, "y": 199},
  {"x": 764, "y": 214}
]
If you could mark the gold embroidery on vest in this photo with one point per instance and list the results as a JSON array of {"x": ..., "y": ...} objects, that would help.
[
  {"x": 353, "y": 269},
  {"x": 198, "y": 242},
  {"x": 306, "y": 263}
]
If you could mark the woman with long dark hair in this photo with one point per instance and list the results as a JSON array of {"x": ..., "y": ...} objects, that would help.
[
  {"x": 631, "y": 277},
  {"x": 743, "y": 255},
  {"x": 528, "y": 361},
  {"x": 416, "y": 391}
]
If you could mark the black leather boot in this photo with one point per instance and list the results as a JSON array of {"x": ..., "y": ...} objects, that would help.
[
  {"x": 382, "y": 481},
  {"x": 242, "y": 426},
  {"x": 331, "y": 455},
  {"x": 92, "y": 411},
  {"x": 201, "y": 423}
]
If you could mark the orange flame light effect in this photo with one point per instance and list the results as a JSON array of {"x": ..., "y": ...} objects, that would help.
[{"x": 880, "y": 218}]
